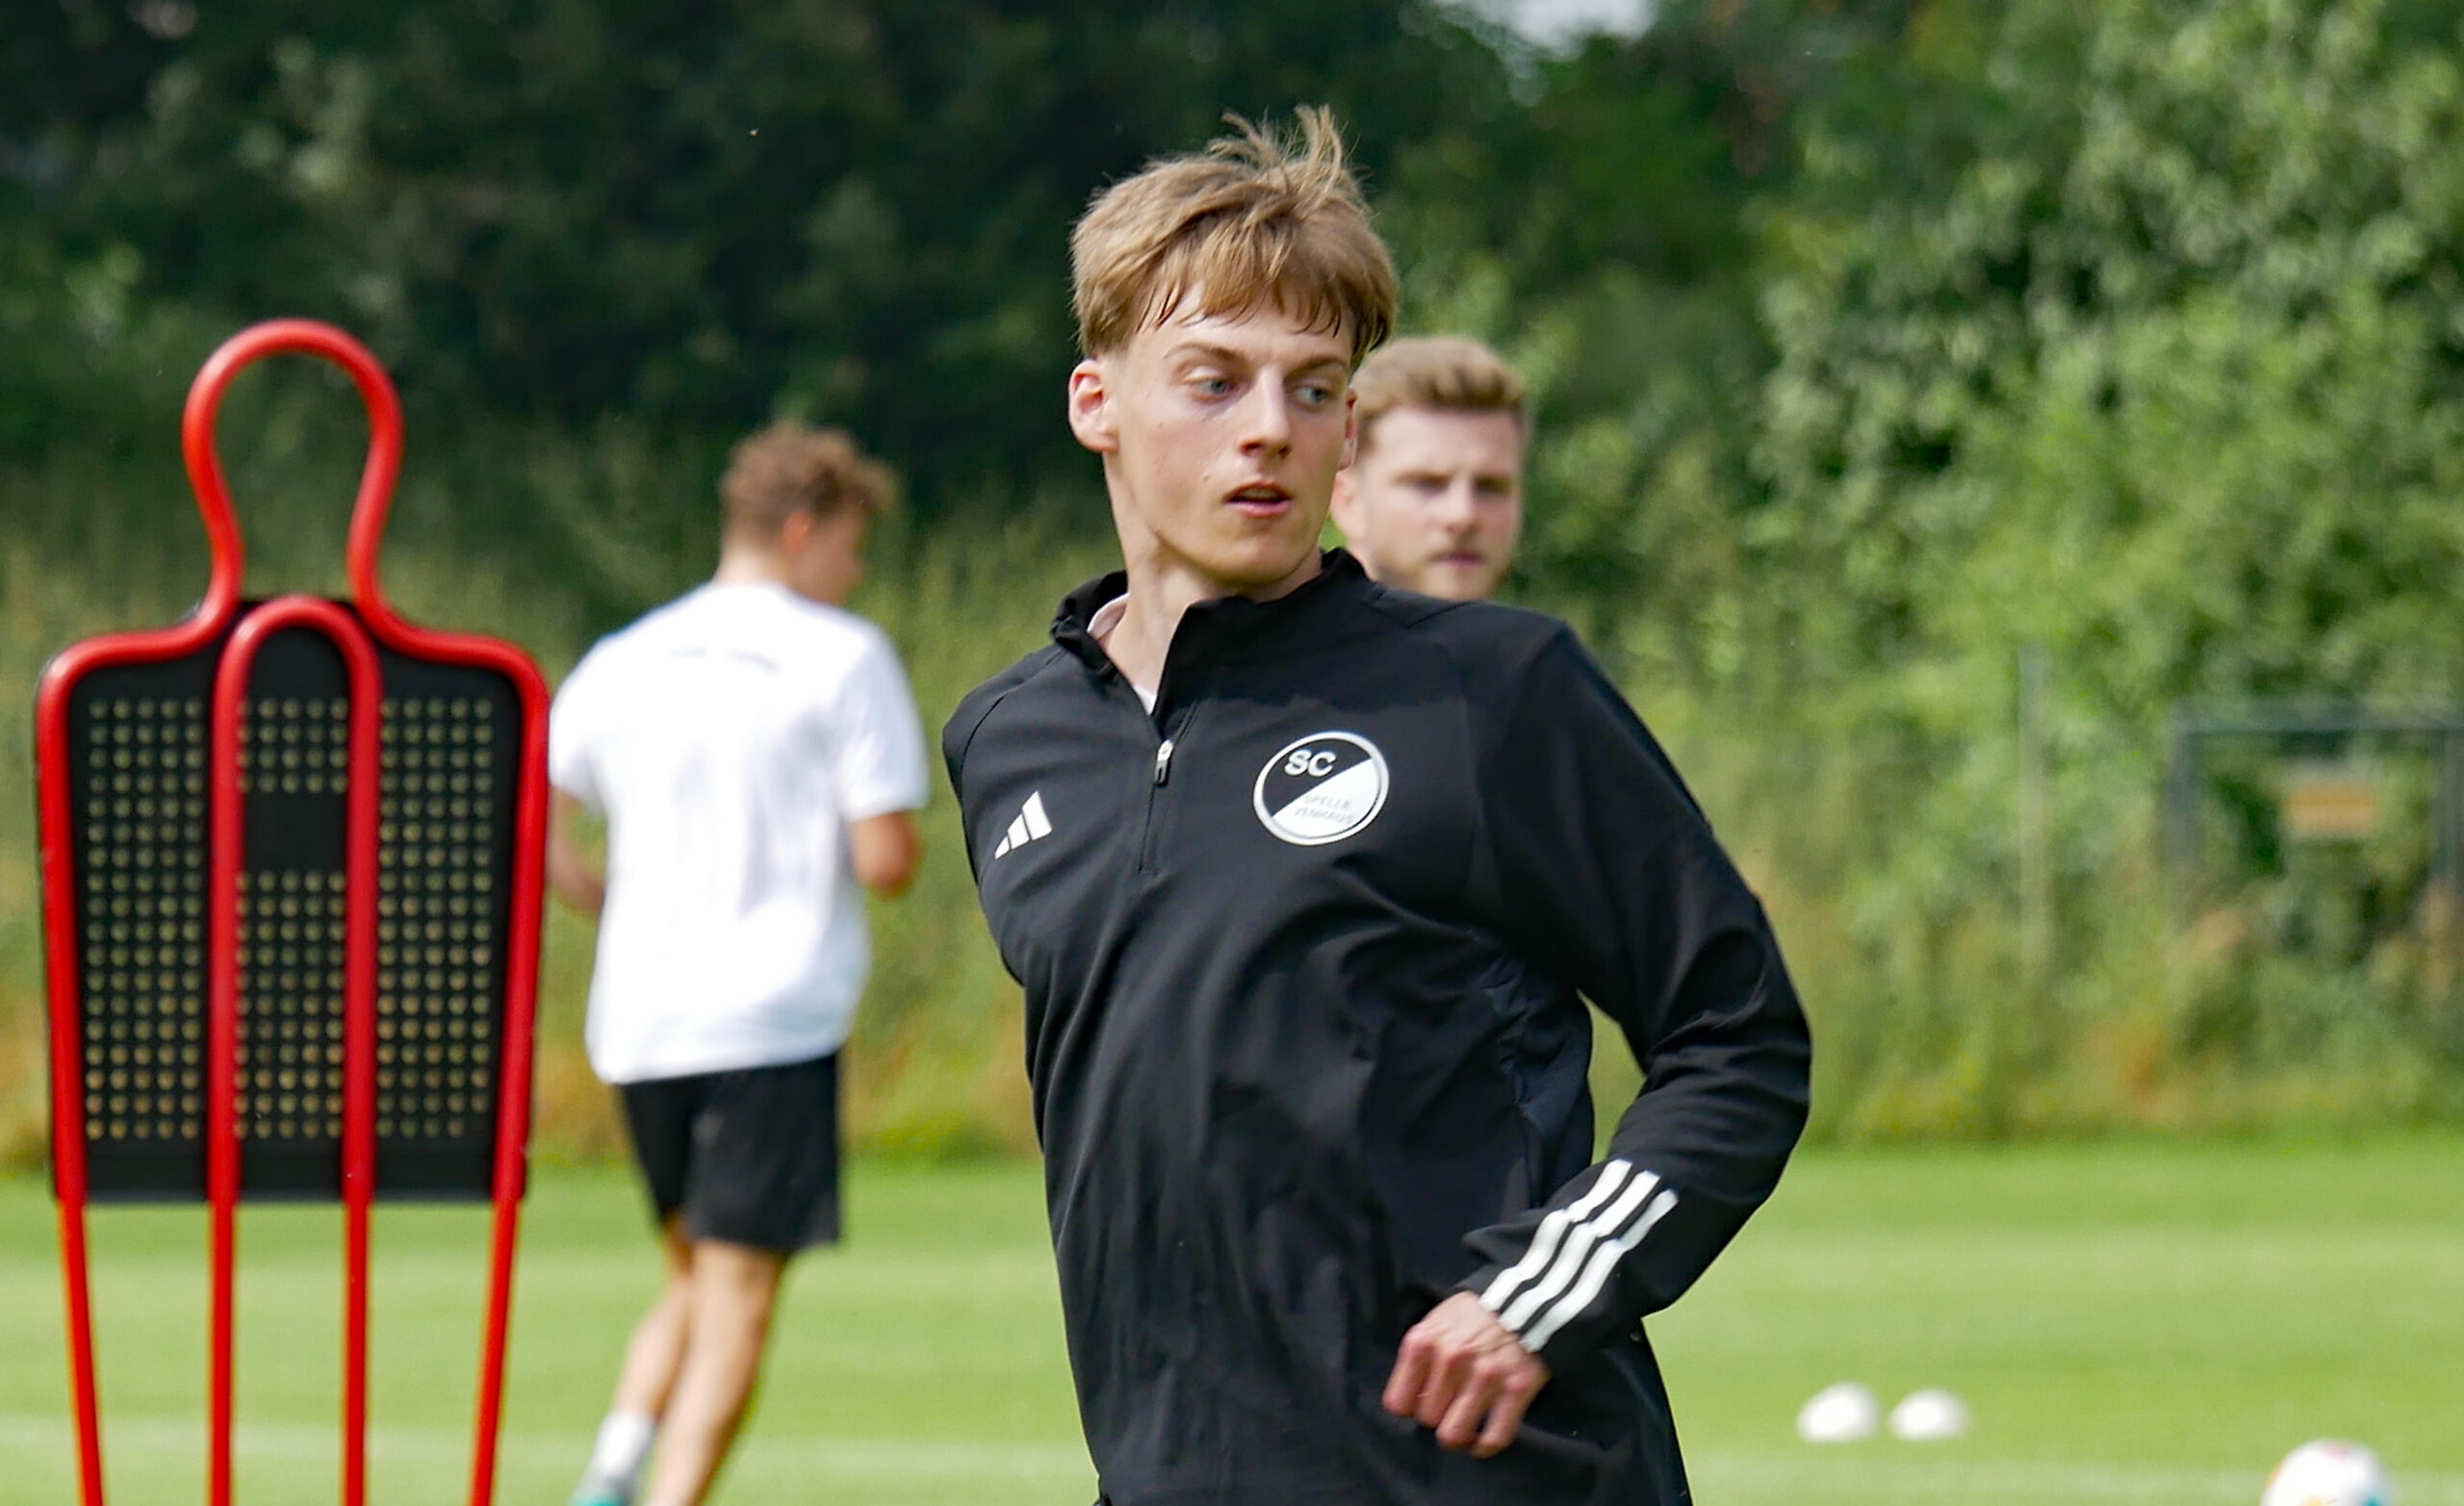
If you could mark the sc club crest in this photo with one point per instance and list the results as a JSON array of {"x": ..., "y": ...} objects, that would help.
[{"x": 1322, "y": 789}]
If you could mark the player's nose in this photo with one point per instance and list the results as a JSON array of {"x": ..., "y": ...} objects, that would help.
[{"x": 1266, "y": 420}]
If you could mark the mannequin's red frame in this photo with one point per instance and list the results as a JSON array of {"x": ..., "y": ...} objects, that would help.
[{"x": 358, "y": 639}]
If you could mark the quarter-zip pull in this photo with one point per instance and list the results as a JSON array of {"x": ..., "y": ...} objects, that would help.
[{"x": 1163, "y": 760}]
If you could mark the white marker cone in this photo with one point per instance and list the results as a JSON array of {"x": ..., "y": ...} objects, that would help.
[
  {"x": 1928, "y": 1417},
  {"x": 1840, "y": 1413}
]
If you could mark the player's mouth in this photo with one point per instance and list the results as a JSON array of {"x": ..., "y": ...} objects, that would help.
[
  {"x": 1463, "y": 559},
  {"x": 1259, "y": 499}
]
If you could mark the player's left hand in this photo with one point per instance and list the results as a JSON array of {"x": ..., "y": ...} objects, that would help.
[{"x": 1462, "y": 1373}]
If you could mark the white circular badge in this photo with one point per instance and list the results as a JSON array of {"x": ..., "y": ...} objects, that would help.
[{"x": 1322, "y": 789}]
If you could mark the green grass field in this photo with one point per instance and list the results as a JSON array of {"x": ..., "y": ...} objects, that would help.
[{"x": 2135, "y": 1322}]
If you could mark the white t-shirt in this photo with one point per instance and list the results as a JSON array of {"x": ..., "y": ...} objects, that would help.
[{"x": 729, "y": 738}]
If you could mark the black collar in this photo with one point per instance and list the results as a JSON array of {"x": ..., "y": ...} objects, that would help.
[{"x": 1215, "y": 628}]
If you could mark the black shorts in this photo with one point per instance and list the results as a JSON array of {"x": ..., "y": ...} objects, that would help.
[{"x": 749, "y": 1157}]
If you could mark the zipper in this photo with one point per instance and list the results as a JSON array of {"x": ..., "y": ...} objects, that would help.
[
  {"x": 1158, "y": 775},
  {"x": 1175, "y": 704}
]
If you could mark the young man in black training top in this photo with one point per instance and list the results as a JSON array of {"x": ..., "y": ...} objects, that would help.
[{"x": 1305, "y": 879}]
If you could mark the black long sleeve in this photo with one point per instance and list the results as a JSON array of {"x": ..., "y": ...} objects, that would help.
[{"x": 1608, "y": 874}]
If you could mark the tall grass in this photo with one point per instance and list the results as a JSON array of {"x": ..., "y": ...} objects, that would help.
[
  {"x": 2161, "y": 1005},
  {"x": 1904, "y": 939}
]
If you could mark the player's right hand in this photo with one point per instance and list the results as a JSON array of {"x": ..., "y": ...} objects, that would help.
[{"x": 1461, "y": 1373}]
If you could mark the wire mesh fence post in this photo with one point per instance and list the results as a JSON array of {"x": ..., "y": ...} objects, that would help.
[{"x": 2036, "y": 823}]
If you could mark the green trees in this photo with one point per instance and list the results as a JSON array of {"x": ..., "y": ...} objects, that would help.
[
  {"x": 2163, "y": 354},
  {"x": 2130, "y": 332},
  {"x": 853, "y": 211}
]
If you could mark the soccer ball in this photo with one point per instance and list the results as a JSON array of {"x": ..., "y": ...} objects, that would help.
[{"x": 2328, "y": 1473}]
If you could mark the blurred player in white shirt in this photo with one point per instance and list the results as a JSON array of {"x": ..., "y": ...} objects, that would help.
[
  {"x": 755, "y": 753},
  {"x": 1434, "y": 499}
]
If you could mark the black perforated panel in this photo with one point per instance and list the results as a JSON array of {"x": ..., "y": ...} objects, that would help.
[
  {"x": 440, "y": 942},
  {"x": 451, "y": 750},
  {"x": 141, "y": 912}
]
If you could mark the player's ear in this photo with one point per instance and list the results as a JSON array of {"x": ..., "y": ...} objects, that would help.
[
  {"x": 1345, "y": 500},
  {"x": 797, "y": 531},
  {"x": 1091, "y": 416},
  {"x": 1351, "y": 431}
]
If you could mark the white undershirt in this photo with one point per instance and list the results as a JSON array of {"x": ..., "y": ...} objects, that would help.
[{"x": 1107, "y": 618}]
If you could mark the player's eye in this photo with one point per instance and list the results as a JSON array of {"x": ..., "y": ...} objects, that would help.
[
  {"x": 1317, "y": 395},
  {"x": 1211, "y": 384}
]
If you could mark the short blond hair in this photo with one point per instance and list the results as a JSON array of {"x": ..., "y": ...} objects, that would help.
[
  {"x": 1447, "y": 372},
  {"x": 786, "y": 469},
  {"x": 1254, "y": 219}
]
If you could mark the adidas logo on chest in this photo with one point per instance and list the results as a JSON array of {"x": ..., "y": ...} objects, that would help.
[{"x": 1029, "y": 824}]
